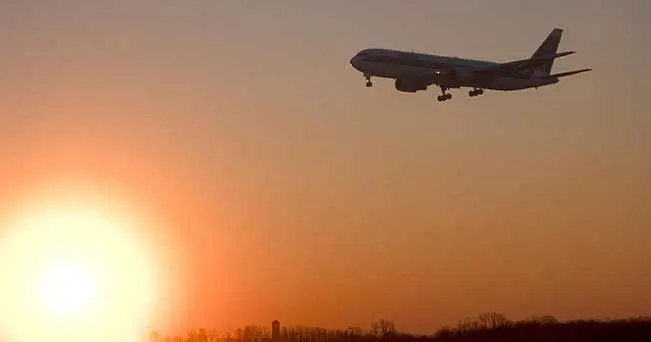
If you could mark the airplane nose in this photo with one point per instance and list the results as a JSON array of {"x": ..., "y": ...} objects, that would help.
[{"x": 355, "y": 62}]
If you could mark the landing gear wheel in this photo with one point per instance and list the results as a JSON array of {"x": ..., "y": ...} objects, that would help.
[
  {"x": 475, "y": 92},
  {"x": 368, "y": 81},
  {"x": 445, "y": 96}
]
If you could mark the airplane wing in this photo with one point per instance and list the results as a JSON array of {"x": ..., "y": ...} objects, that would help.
[{"x": 520, "y": 64}]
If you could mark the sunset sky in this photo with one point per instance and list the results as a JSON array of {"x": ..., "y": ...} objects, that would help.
[{"x": 284, "y": 189}]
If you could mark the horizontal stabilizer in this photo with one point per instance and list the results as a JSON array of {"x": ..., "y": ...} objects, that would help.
[
  {"x": 568, "y": 73},
  {"x": 552, "y": 56},
  {"x": 524, "y": 63},
  {"x": 533, "y": 61}
]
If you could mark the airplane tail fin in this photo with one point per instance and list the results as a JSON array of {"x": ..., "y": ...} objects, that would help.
[{"x": 548, "y": 47}]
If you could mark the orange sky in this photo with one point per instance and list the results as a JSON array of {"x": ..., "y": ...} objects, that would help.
[{"x": 287, "y": 190}]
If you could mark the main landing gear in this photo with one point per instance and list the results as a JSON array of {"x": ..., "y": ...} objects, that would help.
[
  {"x": 368, "y": 81},
  {"x": 475, "y": 92},
  {"x": 445, "y": 96}
]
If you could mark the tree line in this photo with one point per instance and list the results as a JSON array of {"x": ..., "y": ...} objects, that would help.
[{"x": 487, "y": 327}]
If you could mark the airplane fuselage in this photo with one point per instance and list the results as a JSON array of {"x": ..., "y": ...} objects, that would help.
[
  {"x": 415, "y": 72},
  {"x": 395, "y": 64}
]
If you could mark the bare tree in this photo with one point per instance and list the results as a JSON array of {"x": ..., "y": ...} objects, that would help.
[
  {"x": 355, "y": 331},
  {"x": 445, "y": 332},
  {"x": 383, "y": 328},
  {"x": 213, "y": 336},
  {"x": 254, "y": 333},
  {"x": 467, "y": 325},
  {"x": 375, "y": 330},
  {"x": 387, "y": 327},
  {"x": 491, "y": 320}
]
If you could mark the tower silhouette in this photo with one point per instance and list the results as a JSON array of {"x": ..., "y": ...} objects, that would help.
[{"x": 275, "y": 330}]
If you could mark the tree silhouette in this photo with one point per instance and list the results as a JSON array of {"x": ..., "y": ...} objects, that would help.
[
  {"x": 492, "y": 320},
  {"x": 383, "y": 328},
  {"x": 485, "y": 327}
]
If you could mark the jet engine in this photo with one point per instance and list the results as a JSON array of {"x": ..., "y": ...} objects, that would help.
[{"x": 410, "y": 86}]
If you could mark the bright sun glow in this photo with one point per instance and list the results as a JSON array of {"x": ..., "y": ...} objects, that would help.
[
  {"x": 67, "y": 289},
  {"x": 73, "y": 272}
]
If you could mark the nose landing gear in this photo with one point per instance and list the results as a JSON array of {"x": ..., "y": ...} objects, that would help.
[{"x": 368, "y": 81}]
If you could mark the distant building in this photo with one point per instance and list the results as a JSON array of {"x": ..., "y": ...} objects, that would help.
[{"x": 275, "y": 330}]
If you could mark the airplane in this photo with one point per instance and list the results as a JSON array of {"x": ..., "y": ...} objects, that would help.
[{"x": 414, "y": 71}]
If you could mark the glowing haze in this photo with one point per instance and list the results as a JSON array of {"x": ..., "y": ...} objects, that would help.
[
  {"x": 280, "y": 187},
  {"x": 76, "y": 271}
]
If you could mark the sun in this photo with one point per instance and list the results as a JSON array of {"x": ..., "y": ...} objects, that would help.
[
  {"x": 73, "y": 271},
  {"x": 67, "y": 289}
]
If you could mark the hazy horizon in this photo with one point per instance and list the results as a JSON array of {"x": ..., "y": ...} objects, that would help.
[{"x": 285, "y": 189}]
